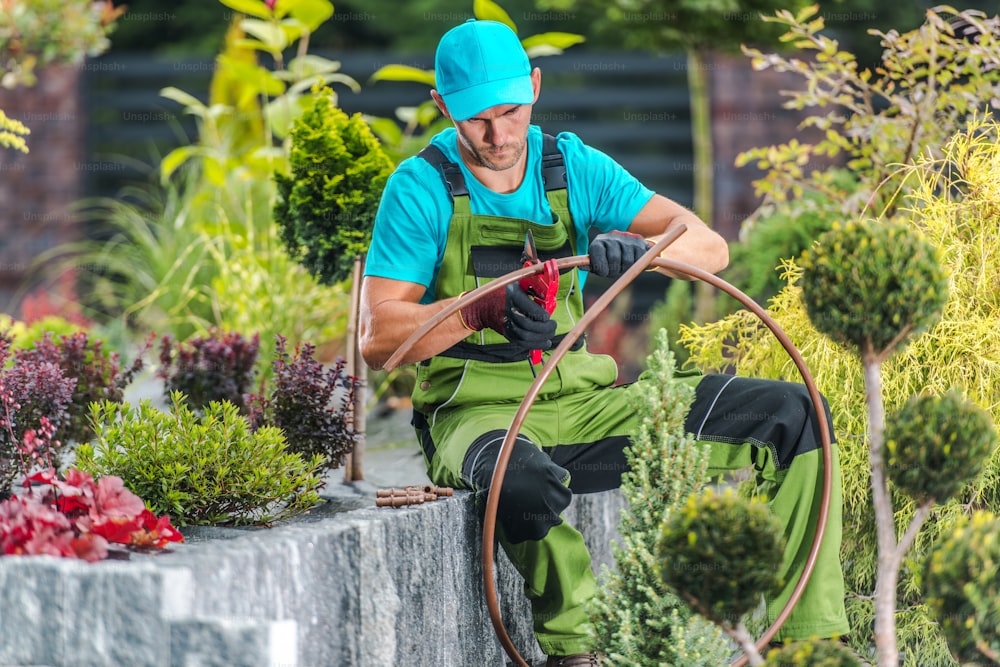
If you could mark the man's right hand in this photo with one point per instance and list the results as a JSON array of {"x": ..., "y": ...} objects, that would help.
[{"x": 514, "y": 314}]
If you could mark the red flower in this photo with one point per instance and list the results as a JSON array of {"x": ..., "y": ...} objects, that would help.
[
  {"x": 30, "y": 527},
  {"x": 114, "y": 501},
  {"x": 118, "y": 531},
  {"x": 155, "y": 532},
  {"x": 75, "y": 517}
]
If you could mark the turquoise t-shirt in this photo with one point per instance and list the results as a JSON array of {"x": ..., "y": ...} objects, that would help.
[{"x": 411, "y": 226}]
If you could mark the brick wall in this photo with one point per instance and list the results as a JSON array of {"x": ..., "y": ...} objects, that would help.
[{"x": 37, "y": 189}]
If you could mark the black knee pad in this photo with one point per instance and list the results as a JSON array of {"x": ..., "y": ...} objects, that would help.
[{"x": 534, "y": 493}]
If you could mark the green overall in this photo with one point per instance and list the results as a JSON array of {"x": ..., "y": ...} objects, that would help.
[{"x": 466, "y": 398}]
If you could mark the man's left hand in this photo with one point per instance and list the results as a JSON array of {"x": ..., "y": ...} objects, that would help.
[{"x": 611, "y": 254}]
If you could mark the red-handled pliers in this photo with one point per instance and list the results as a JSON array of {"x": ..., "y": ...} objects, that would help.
[{"x": 542, "y": 286}]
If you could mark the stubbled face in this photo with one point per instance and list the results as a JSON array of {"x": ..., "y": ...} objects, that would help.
[{"x": 496, "y": 138}]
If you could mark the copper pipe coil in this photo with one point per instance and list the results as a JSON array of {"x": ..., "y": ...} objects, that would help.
[{"x": 650, "y": 259}]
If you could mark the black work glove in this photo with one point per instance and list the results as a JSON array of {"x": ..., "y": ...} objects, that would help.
[
  {"x": 611, "y": 254},
  {"x": 513, "y": 314}
]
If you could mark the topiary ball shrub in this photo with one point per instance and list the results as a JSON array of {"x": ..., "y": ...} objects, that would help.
[
  {"x": 812, "y": 653},
  {"x": 326, "y": 204},
  {"x": 720, "y": 552},
  {"x": 871, "y": 286},
  {"x": 201, "y": 470},
  {"x": 962, "y": 588},
  {"x": 935, "y": 445}
]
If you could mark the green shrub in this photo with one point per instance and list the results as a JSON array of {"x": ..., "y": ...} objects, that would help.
[
  {"x": 819, "y": 653},
  {"x": 721, "y": 552},
  {"x": 952, "y": 203},
  {"x": 201, "y": 470},
  {"x": 871, "y": 286},
  {"x": 936, "y": 445},
  {"x": 638, "y": 621},
  {"x": 327, "y": 202},
  {"x": 781, "y": 230},
  {"x": 199, "y": 248},
  {"x": 963, "y": 591}
]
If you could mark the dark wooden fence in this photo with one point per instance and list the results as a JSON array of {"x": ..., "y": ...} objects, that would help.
[{"x": 633, "y": 106}]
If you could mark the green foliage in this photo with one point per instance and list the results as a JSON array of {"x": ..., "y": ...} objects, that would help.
[
  {"x": 275, "y": 94},
  {"x": 637, "y": 620},
  {"x": 872, "y": 286},
  {"x": 670, "y": 313},
  {"x": 208, "y": 470},
  {"x": 326, "y": 204},
  {"x": 36, "y": 33},
  {"x": 819, "y": 653},
  {"x": 780, "y": 230},
  {"x": 25, "y": 336},
  {"x": 963, "y": 590},
  {"x": 929, "y": 81},
  {"x": 668, "y": 25},
  {"x": 202, "y": 251},
  {"x": 952, "y": 202},
  {"x": 720, "y": 552},
  {"x": 936, "y": 445}
]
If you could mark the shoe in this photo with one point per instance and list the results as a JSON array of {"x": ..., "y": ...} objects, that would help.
[{"x": 575, "y": 660}]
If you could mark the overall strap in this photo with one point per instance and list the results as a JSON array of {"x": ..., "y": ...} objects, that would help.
[
  {"x": 454, "y": 180},
  {"x": 553, "y": 167}
]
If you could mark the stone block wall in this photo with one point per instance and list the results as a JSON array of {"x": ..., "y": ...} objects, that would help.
[{"x": 362, "y": 588}]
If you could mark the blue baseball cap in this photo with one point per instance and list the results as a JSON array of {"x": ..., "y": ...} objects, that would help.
[{"x": 480, "y": 64}]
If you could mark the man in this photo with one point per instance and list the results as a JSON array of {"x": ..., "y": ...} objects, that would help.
[{"x": 457, "y": 216}]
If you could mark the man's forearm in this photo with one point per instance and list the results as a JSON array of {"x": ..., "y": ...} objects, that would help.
[
  {"x": 388, "y": 324},
  {"x": 699, "y": 245}
]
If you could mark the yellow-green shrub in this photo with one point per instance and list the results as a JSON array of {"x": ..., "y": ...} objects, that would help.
[{"x": 955, "y": 203}]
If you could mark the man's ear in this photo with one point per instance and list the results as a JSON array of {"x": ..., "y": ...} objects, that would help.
[
  {"x": 536, "y": 82},
  {"x": 439, "y": 101}
]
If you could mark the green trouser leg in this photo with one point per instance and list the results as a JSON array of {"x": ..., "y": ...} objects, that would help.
[
  {"x": 795, "y": 495},
  {"x": 557, "y": 581}
]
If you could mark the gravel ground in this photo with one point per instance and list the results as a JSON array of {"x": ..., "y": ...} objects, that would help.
[{"x": 391, "y": 456}]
